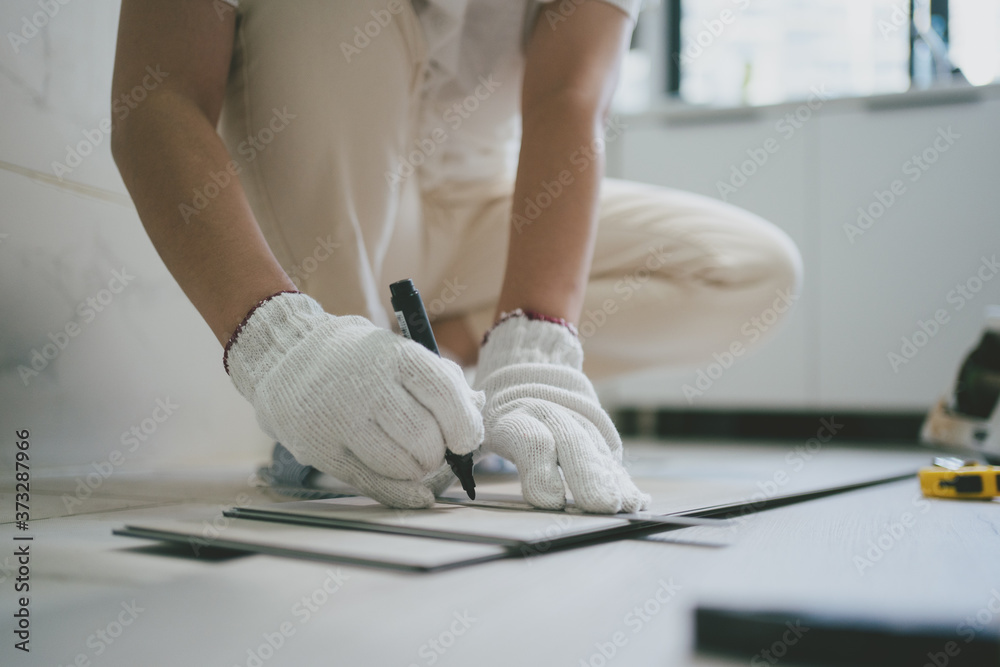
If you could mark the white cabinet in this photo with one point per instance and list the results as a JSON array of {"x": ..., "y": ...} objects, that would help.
[
  {"x": 925, "y": 238},
  {"x": 924, "y": 245}
]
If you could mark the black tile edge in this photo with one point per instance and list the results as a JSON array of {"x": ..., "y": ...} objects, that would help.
[{"x": 889, "y": 427}]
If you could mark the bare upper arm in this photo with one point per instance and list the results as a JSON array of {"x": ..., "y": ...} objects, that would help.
[
  {"x": 575, "y": 55},
  {"x": 188, "y": 42}
]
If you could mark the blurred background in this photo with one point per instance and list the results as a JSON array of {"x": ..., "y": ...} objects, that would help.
[{"x": 867, "y": 130}]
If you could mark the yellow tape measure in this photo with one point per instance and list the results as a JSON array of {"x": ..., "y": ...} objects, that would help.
[{"x": 955, "y": 478}]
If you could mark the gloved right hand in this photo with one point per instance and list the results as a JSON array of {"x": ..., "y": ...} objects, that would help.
[{"x": 353, "y": 400}]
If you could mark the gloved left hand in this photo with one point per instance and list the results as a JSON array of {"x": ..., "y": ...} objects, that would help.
[{"x": 543, "y": 414}]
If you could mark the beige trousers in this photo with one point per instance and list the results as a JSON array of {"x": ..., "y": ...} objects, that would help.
[{"x": 318, "y": 133}]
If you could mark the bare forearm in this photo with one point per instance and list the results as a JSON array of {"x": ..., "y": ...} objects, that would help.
[
  {"x": 165, "y": 152},
  {"x": 570, "y": 74},
  {"x": 554, "y": 213}
]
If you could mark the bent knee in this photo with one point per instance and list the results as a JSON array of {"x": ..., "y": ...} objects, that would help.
[
  {"x": 756, "y": 268},
  {"x": 784, "y": 264},
  {"x": 746, "y": 250},
  {"x": 778, "y": 283}
]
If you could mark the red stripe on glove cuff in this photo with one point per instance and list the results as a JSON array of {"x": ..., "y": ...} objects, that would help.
[
  {"x": 531, "y": 315},
  {"x": 246, "y": 318}
]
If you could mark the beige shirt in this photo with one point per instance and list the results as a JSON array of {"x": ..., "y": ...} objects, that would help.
[{"x": 473, "y": 83}]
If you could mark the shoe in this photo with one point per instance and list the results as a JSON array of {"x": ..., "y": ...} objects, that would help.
[{"x": 968, "y": 418}]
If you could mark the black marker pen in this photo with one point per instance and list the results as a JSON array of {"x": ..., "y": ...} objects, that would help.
[{"x": 414, "y": 324}]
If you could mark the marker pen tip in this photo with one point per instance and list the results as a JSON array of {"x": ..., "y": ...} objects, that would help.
[{"x": 461, "y": 465}]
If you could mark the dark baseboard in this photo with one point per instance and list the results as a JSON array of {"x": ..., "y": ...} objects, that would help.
[{"x": 886, "y": 427}]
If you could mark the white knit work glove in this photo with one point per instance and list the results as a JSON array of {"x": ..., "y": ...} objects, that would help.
[
  {"x": 542, "y": 414},
  {"x": 353, "y": 400}
]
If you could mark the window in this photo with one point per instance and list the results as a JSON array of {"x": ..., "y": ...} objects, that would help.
[
  {"x": 754, "y": 52},
  {"x": 974, "y": 39}
]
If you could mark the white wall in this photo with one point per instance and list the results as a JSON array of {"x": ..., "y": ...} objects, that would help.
[
  {"x": 860, "y": 298},
  {"x": 60, "y": 247}
]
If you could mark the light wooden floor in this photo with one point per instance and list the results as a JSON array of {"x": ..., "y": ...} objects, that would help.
[{"x": 556, "y": 609}]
